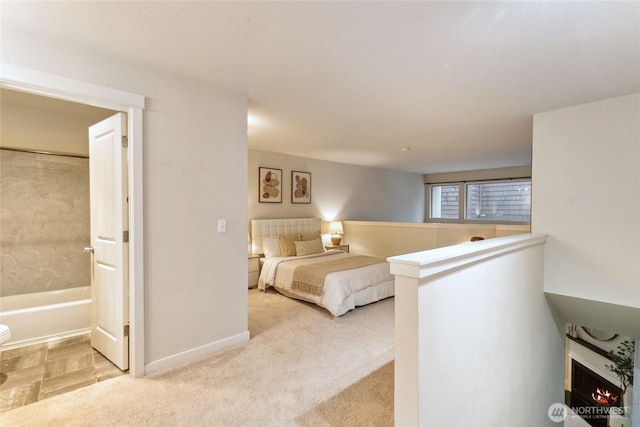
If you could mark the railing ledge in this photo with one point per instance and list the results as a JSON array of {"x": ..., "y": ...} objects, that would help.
[{"x": 420, "y": 265}]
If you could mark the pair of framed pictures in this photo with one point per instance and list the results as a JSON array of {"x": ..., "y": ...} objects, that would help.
[{"x": 270, "y": 186}]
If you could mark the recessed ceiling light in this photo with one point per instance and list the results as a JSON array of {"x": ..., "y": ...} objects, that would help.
[{"x": 405, "y": 149}]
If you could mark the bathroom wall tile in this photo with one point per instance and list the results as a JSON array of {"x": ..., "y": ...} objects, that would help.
[{"x": 45, "y": 221}]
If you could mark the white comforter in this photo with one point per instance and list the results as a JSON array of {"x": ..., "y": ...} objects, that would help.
[{"x": 339, "y": 287}]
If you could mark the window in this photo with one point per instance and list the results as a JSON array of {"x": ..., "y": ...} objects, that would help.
[
  {"x": 445, "y": 201},
  {"x": 499, "y": 201},
  {"x": 486, "y": 201}
]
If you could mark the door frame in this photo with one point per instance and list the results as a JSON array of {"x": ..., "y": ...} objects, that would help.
[{"x": 52, "y": 86}]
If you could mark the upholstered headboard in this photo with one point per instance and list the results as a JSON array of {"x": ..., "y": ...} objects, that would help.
[{"x": 267, "y": 228}]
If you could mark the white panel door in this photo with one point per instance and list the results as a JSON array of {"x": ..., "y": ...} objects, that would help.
[{"x": 109, "y": 239}]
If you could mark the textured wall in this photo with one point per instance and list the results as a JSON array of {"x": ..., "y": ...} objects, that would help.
[{"x": 44, "y": 222}]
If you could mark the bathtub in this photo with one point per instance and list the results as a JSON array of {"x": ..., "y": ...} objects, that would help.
[{"x": 43, "y": 316}]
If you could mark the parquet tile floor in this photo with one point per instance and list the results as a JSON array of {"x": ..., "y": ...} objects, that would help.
[{"x": 35, "y": 372}]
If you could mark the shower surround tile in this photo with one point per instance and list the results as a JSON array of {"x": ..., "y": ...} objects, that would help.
[{"x": 45, "y": 222}]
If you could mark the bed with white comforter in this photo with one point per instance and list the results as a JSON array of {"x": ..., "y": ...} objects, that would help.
[{"x": 342, "y": 290}]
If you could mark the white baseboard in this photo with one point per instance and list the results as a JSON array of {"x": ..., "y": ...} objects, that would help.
[{"x": 189, "y": 355}]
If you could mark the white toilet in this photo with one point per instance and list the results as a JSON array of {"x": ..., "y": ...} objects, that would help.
[{"x": 5, "y": 334}]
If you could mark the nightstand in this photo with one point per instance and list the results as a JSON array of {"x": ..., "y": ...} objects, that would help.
[
  {"x": 254, "y": 270},
  {"x": 344, "y": 248}
]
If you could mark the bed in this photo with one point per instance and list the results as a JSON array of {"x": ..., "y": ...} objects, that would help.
[{"x": 297, "y": 265}]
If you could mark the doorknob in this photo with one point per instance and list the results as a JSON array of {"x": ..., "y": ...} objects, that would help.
[{"x": 88, "y": 249}]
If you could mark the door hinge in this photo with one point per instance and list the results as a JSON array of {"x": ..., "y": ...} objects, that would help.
[
  {"x": 125, "y": 141},
  {"x": 126, "y": 330},
  {"x": 125, "y": 237}
]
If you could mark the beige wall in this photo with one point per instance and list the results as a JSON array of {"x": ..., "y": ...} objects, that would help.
[
  {"x": 471, "y": 320},
  {"x": 339, "y": 191},
  {"x": 384, "y": 239},
  {"x": 195, "y": 172},
  {"x": 32, "y": 129},
  {"x": 586, "y": 171},
  {"x": 586, "y": 196}
]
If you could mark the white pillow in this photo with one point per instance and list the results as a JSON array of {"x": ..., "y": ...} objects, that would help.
[
  {"x": 271, "y": 247},
  {"x": 309, "y": 247}
]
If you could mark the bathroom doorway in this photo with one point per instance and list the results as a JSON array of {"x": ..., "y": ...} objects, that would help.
[
  {"x": 65, "y": 221},
  {"x": 45, "y": 220},
  {"x": 56, "y": 220},
  {"x": 58, "y": 88}
]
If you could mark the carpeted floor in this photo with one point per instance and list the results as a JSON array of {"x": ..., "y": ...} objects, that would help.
[{"x": 302, "y": 367}]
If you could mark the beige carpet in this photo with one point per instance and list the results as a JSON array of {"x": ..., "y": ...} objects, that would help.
[{"x": 302, "y": 367}]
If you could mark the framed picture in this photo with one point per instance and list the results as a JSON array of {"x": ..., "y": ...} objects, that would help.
[
  {"x": 270, "y": 185},
  {"x": 300, "y": 187}
]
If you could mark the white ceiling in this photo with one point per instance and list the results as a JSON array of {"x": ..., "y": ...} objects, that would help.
[{"x": 354, "y": 82}]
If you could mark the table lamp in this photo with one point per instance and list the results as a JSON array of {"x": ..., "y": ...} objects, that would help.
[{"x": 335, "y": 228}]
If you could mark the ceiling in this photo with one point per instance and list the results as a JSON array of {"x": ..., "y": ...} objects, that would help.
[{"x": 354, "y": 82}]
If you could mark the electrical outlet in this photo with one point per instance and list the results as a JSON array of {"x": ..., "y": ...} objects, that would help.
[{"x": 222, "y": 226}]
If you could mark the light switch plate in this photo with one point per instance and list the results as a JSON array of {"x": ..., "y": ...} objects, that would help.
[{"x": 222, "y": 226}]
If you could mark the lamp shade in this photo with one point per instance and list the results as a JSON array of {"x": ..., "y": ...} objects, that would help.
[{"x": 335, "y": 227}]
